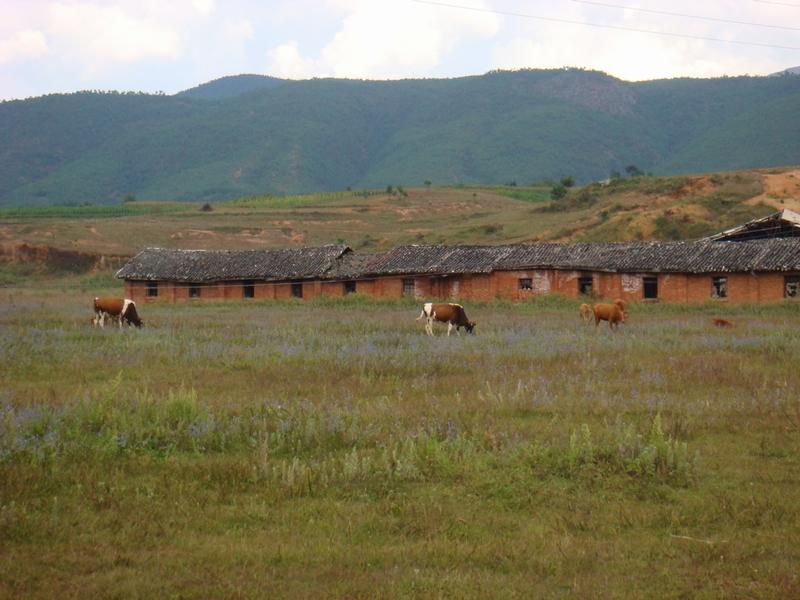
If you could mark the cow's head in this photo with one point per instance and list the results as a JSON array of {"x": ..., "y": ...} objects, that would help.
[
  {"x": 136, "y": 321},
  {"x": 470, "y": 326}
]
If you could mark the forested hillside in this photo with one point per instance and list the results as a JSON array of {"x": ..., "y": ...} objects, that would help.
[{"x": 249, "y": 134}]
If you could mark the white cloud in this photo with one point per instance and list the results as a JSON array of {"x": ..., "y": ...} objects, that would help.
[
  {"x": 204, "y": 7},
  {"x": 238, "y": 30},
  {"x": 286, "y": 62},
  {"x": 386, "y": 39},
  {"x": 23, "y": 45},
  {"x": 109, "y": 34},
  {"x": 636, "y": 56}
]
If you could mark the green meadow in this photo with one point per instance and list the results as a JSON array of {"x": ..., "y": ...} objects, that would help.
[{"x": 331, "y": 449}]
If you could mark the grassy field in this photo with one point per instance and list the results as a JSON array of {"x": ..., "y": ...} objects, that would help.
[{"x": 330, "y": 449}]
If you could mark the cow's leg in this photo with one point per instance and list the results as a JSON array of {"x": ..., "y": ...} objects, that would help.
[
  {"x": 449, "y": 328},
  {"x": 120, "y": 321}
]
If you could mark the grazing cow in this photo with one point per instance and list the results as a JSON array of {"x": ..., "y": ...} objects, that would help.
[
  {"x": 121, "y": 309},
  {"x": 586, "y": 313},
  {"x": 452, "y": 314},
  {"x": 613, "y": 313},
  {"x": 724, "y": 323}
]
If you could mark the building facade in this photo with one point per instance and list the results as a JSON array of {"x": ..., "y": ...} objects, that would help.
[{"x": 756, "y": 271}]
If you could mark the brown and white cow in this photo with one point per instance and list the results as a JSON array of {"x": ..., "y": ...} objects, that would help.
[
  {"x": 120, "y": 309},
  {"x": 452, "y": 314}
]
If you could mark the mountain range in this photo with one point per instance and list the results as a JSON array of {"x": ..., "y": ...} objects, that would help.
[{"x": 254, "y": 135}]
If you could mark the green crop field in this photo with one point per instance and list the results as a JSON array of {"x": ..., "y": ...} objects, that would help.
[{"x": 331, "y": 449}]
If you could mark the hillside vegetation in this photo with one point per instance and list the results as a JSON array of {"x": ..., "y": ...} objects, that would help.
[
  {"x": 631, "y": 208},
  {"x": 252, "y": 135}
]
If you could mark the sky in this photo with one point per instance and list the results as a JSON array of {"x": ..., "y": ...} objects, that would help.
[{"x": 167, "y": 46}]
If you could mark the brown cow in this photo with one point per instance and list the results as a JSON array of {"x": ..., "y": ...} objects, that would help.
[
  {"x": 586, "y": 313},
  {"x": 613, "y": 313},
  {"x": 121, "y": 309},
  {"x": 452, "y": 314}
]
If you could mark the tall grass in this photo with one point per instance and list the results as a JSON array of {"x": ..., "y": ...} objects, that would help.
[{"x": 330, "y": 448}]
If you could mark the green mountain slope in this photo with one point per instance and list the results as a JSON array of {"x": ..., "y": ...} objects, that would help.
[
  {"x": 257, "y": 135},
  {"x": 231, "y": 86}
]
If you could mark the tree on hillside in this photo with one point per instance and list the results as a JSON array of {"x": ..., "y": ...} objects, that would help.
[
  {"x": 568, "y": 181},
  {"x": 634, "y": 171}
]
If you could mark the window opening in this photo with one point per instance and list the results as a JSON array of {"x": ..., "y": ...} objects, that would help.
[
  {"x": 719, "y": 287},
  {"x": 650, "y": 285},
  {"x": 792, "y": 286}
]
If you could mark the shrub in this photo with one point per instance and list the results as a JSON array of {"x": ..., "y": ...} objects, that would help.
[{"x": 558, "y": 191}]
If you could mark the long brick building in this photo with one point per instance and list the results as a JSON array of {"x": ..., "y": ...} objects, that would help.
[{"x": 763, "y": 270}]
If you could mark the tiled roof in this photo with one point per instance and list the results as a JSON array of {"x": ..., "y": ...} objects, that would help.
[
  {"x": 215, "y": 265},
  {"x": 680, "y": 257},
  {"x": 339, "y": 262}
]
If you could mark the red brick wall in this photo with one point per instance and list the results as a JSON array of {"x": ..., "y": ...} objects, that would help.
[{"x": 742, "y": 287}]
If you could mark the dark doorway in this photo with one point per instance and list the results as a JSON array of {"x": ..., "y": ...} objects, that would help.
[{"x": 585, "y": 284}]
